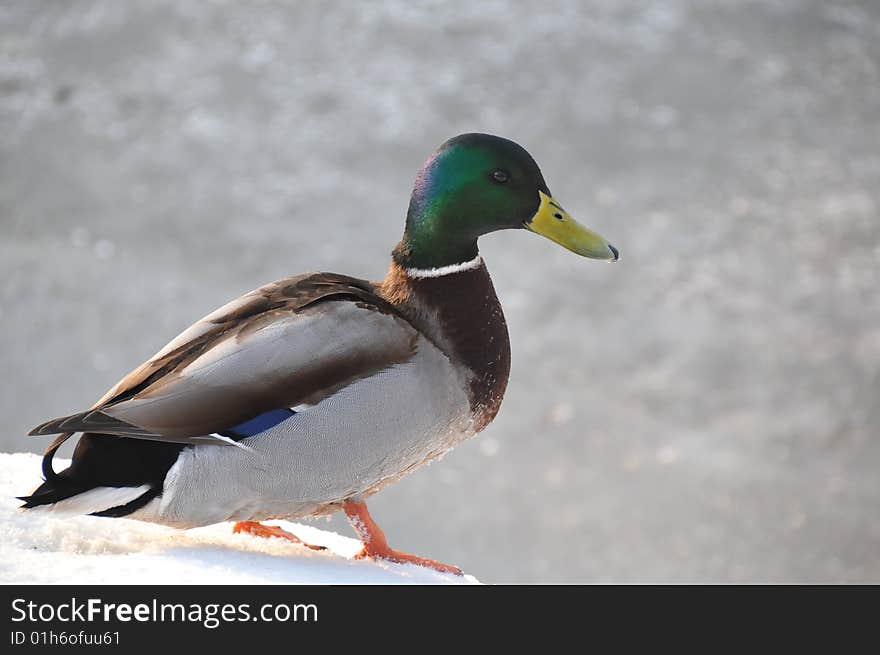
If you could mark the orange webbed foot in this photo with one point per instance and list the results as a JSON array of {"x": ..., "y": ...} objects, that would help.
[
  {"x": 257, "y": 529},
  {"x": 399, "y": 557},
  {"x": 376, "y": 546}
]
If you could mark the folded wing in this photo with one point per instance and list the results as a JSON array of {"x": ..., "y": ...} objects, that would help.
[{"x": 290, "y": 343}]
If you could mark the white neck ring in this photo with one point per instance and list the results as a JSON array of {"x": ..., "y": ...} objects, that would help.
[{"x": 440, "y": 271}]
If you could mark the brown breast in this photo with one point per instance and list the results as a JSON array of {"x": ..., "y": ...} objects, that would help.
[{"x": 460, "y": 312}]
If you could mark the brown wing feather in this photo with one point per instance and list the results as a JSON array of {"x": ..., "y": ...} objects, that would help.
[
  {"x": 90, "y": 421},
  {"x": 291, "y": 294}
]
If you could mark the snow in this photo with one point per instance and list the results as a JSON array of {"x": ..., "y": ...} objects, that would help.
[{"x": 39, "y": 547}]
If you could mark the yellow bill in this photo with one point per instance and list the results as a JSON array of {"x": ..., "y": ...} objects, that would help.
[{"x": 553, "y": 222}]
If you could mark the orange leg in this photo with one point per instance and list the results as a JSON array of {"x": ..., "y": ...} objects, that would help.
[
  {"x": 259, "y": 530},
  {"x": 375, "y": 544}
]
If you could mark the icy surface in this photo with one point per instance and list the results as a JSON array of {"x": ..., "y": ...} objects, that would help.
[{"x": 38, "y": 547}]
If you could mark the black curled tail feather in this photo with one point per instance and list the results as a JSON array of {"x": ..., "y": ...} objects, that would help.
[
  {"x": 54, "y": 487},
  {"x": 48, "y": 472}
]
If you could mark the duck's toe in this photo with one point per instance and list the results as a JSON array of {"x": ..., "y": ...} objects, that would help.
[
  {"x": 257, "y": 529},
  {"x": 399, "y": 557}
]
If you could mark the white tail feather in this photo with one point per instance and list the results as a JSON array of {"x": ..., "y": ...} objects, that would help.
[{"x": 95, "y": 500}]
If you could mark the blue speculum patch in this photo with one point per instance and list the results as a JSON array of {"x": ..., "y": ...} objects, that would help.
[{"x": 258, "y": 424}]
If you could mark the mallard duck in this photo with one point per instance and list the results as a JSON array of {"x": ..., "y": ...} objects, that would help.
[{"x": 310, "y": 394}]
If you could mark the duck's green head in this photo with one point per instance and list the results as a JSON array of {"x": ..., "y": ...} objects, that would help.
[{"x": 478, "y": 183}]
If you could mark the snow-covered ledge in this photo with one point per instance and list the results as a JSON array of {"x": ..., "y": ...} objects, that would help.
[{"x": 38, "y": 547}]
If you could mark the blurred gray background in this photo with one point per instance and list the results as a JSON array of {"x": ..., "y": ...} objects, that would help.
[{"x": 706, "y": 410}]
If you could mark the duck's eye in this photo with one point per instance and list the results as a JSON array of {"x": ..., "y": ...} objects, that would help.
[{"x": 500, "y": 175}]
